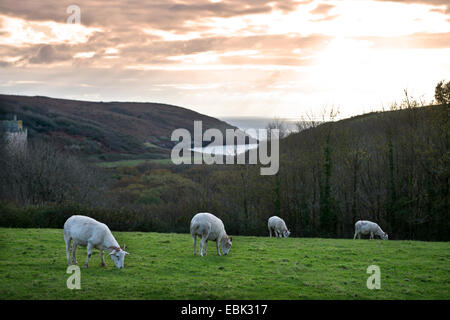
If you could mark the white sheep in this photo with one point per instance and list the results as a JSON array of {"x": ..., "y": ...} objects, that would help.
[
  {"x": 364, "y": 227},
  {"x": 85, "y": 231},
  {"x": 278, "y": 226},
  {"x": 209, "y": 227}
]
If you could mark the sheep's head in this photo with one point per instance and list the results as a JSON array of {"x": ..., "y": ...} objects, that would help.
[
  {"x": 384, "y": 236},
  {"x": 118, "y": 256},
  {"x": 226, "y": 244},
  {"x": 286, "y": 233}
]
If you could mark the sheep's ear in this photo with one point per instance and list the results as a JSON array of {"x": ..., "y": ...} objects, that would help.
[
  {"x": 124, "y": 246},
  {"x": 113, "y": 252},
  {"x": 125, "y": 252}
]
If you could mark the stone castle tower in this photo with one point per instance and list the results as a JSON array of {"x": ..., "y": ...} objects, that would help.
[{"x": 14, "y": 133}]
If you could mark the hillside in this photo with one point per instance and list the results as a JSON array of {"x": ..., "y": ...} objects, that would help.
[
  {"x": 109, "y": 130},
  {"x": 162, "y": 266},
  {"x": 388, "y": 167},
  {"x": 391, "y": 167}
]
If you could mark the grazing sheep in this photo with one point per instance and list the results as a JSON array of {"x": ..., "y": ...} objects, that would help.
[
  {"x": 85, "y": 231},
  {"x": 367, "y": 227},
  {"x": 279, "y": 226},
  {"x": 209, "y": 227}
]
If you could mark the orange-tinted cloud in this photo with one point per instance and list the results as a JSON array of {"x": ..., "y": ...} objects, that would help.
[
  {"x": 444, "y": 3},
  {"x": 413, "y": 41},
  {"x": 322, "y": 8}
]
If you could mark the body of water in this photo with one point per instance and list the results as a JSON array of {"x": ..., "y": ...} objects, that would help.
[
  {"x": 229, "y": 150},
  {"x": 245, "y": 123}
]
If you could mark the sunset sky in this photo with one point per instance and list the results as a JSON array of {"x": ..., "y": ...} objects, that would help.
[{"x": 228, "y": 58}]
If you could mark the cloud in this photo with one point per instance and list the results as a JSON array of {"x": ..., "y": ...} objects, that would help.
[
  {"x": 160, "y": 32},
  {"x": 414, "y": 41},
  {"x": 267, "y": 49},
  {"x": 124, "y": 26},
  {"x": 322, "y": 8},
  {"x": 4, "y": 64},
  {"x": 48, "y": 54},
  {"x": 17, "y": 31},
  {"x": 167, "y": 14},
  {"x": 427, "y": 2},
  {"x": 444, "y": 3}
]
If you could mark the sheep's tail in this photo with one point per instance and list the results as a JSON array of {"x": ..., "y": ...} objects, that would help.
[{"x": 194, "y": 227}]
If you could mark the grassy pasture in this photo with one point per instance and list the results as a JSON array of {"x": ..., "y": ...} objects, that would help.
[
  {"x": 131, "y": 163},
  {"x": 162, "y": 266},
  {"x": 136, "y": 162}
]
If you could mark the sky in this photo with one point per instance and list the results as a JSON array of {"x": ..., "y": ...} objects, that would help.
[{"x": 276, "y": 58}]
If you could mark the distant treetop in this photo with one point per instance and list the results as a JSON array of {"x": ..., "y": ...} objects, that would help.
[{"x": 442, "y": 92}]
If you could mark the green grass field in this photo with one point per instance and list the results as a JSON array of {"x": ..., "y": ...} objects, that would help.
[
  {"x": 131, "y": 163},
  {"x": 135, "y": 162},
  {"x": 161, "y": 266}
]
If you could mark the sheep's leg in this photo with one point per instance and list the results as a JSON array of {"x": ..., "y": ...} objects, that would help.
[
  {"x": 74, "y": 253},
  {"x": 356, "y": 233},
  {"x": 195, "y": 244},
  {"x": 270, "y": 232},
  {"x": 102, "y": 259},
  {"x": 67, "y": 240},
  {"x": 371, "y": 236},
  {"x": 202, "y": 244},
  {"x": 206, "y": 246},
  {"x": 217, "y": 246},
  {"x": 89, "y": 253}
]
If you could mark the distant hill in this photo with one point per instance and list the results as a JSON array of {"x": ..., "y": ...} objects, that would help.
[
  {"x": 254, "y": 122},
  {"x": 107, "y": 130}
]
